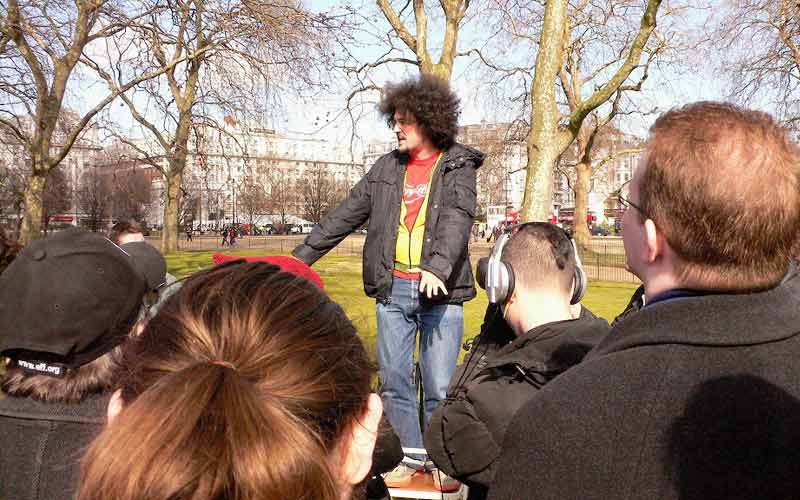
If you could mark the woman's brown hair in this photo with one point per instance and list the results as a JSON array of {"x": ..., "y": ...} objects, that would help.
[{"x": 240, "y": 388}]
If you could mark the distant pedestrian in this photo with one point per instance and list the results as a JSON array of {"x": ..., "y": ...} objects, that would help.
[
  {"x": 224, "y": 236},
  {"x": 126, "y": 231},
  {"x": 232, "y": 235},
  {"x": 189, "y": 233}
]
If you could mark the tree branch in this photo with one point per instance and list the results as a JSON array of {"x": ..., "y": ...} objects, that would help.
[
  {"x": 602, "y": 94},
  {"x": 397, "y": 25}
]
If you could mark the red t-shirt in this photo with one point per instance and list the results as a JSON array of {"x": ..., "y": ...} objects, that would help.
[{"x": 418, "y": 175}]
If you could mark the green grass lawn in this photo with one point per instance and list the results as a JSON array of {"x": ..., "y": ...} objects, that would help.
[{"x": 342, "y": 278}]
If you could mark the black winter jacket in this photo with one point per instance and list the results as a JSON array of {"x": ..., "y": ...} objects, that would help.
[
  {"x": 689, "y": 398},
  {"x": 466, "y": 431},
  {"x": 41, "y": 445},
  {"x": 377, "y": 197}
]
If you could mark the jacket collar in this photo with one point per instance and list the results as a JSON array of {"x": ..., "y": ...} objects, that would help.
[
  {"x": 456, "y": 156},
  {"x": 709, "y": 320},
  {"x": 553, "y": 347},
  {"x": 91, "y": 410}
]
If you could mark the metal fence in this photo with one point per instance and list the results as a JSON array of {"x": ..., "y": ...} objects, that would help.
[
  {"x": 603, "y": 259},
  {"x": 352, "y": 245}
]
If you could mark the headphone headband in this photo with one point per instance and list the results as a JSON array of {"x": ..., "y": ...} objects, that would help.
[{"x": 497, "y": 277}]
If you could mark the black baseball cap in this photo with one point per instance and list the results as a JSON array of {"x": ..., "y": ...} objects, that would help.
[
  {"x": 149, "y": 261},
  {"x": 66, "y": 300}
]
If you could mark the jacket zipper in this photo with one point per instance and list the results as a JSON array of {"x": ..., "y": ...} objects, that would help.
[{"x": 425, "y": 232}]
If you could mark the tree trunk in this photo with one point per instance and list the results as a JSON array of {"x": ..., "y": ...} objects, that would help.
[
  {"x": 544, "y": 147},
  {"x": 174, "y": 178},
  {"x": 169, "y": 234},
  {"x": 442, "y": 70},
  {"x": 582, "y": 185},
  {"x": 32, "y": 218}
]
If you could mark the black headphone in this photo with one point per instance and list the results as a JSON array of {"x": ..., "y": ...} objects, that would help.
[{"x": 497, "y": 277}]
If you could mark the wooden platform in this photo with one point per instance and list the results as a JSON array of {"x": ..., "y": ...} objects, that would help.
[{"x": 422, "y": 488}]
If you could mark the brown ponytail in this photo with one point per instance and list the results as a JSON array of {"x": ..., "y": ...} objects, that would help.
[{"x": 240, "y": 388}]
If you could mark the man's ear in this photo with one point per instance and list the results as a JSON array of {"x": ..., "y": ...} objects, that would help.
[
  {"x": 115, "y": 405},
  {"x": 654, "y": 239},
  {"x": 361, "y": 443}
]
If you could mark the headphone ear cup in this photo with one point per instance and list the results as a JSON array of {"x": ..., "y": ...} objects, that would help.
[
  {"x": 580, "y": 284},
  {"x": 579, "y": 280},
  {"x": 504, "y": 284},
  {"x": 481, "y": 271},
  {"x": 510, "y": 280}
]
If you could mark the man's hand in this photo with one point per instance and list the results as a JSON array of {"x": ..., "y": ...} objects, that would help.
[{"x": 430, "y": 285}]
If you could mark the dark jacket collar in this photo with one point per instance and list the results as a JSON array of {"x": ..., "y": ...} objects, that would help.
[
  {"x": 456, "y": 156},
  {"x": 712, "y": 320},
  {"x": 92, "y": 410},
  {"x": 553, "y": 347}
]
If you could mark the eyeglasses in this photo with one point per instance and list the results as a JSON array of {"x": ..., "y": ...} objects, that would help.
[
  {"x": 403, "y": 122},
  {"x": 628, "y": 203}
]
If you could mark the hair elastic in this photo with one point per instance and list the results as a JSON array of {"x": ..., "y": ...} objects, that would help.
[{"x": 226, "y": 364}]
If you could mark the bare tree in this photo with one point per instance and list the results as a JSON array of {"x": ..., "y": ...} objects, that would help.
[
  {"x": 320, "y": 192},
  {"x": 586, "y": 52},
  {"x": 252, "y": 199},
  {"x": 418, "y": 41},
  {"x": 551, "y": 133},
  {"x": 501, "y": 143},
  {"x": 761, "y": 53},
  {"x": 95, "y": 193},
  {"x": 131, "y": 194},
  {"x": 282, "y": 197},
  {"x": 42, "y": 45},
  {"x": 235, "y": 50},
  {"x": 12, "y": 194},
  {"x": 57, "y": 196}
]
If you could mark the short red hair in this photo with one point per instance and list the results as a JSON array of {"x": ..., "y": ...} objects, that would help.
[{"x": 723, "y": 184}]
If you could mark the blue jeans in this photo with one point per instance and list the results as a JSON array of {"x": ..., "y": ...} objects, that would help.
[{"x": 441, "y": 328}]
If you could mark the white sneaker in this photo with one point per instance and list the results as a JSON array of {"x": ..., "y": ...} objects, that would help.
[{"x": 399, "y": 477}]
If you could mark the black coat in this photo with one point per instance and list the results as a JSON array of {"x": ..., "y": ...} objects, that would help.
[
  {"x": 466, "y": 431},
  {"x": 377, "y": 197},
  {"x": 689, "y": 398},
  {"x": 41, "y": 445}
]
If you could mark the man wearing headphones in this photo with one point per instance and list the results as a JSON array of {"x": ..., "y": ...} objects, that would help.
[{"x": 534, "y": 330}]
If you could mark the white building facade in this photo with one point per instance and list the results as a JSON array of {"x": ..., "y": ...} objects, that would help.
[{"x": 219, "y": 161}]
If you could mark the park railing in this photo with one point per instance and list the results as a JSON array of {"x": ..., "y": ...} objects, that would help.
[
  {"x": 278, "y": 244},
  {"x": 603, "y": 258}
]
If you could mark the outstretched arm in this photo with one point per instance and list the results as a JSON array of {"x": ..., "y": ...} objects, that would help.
[{"x": 346, "y": 218}]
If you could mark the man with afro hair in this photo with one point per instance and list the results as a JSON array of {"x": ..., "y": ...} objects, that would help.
[{"x": 420, "y": 203}]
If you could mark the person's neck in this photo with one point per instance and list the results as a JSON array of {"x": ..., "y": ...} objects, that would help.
[
  {"x": 423, "y": 152},
  {"x": 659, "y": 283},
  {"x": 539, "y": 309}
]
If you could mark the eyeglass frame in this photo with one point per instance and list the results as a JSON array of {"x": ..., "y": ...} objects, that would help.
[
  {"x": 403, "y": 122},
  {"x": 626, "y": 202}
]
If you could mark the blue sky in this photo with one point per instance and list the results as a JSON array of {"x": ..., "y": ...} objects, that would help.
[{"x": 690, "y": 77}]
